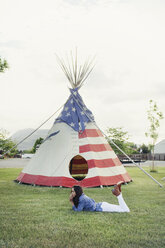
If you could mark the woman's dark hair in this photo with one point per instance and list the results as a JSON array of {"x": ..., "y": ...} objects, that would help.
[{"x": 79, "y": 192}]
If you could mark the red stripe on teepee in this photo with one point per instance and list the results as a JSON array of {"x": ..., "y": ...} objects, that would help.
[
  {"x": 69, "y": 182},
  {"x": 90, "y": 133},
  {"x": 97, "y": 181},
  {"x": 117, "y": 161},
  {"x": 103, "y": 163},
  {"x": 95, "y": 148}
]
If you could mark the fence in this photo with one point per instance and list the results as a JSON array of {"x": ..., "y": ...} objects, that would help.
[{"x": 142, "y": 157}]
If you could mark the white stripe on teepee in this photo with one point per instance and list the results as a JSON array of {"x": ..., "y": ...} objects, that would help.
[
  {"x": 91, "y": 125},
  {"x": 99, "y": 155},
  {"x": 111, "y": 171},
  {"x": 92, "y": 140}
]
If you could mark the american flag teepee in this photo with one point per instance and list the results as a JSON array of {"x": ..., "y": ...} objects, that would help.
[{"x": 75, "y": 150}]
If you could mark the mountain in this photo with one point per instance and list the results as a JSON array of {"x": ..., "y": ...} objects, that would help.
[{"x": 29, "y": 142}]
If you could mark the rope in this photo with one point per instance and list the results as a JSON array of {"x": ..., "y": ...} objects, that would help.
[{"x": 117, "y": 145}]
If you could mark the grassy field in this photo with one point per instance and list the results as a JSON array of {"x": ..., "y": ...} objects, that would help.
[{"x": 36, "y": 217}]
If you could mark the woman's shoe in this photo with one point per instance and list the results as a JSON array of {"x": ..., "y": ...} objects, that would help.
[
  {"x": 116, "y": 191},
  {"x": 119, "y": 185}
]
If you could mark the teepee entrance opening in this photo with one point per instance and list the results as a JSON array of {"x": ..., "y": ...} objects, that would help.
[{"x": 78, "y": 168}]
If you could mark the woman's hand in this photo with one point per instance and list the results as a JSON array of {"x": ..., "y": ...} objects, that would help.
[{"x": 71, "y": 197}]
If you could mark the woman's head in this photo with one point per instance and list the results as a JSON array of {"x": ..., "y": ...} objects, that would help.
[{"x": 77, "y": 192}]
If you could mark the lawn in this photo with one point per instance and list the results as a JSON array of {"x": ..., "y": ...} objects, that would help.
[{"x": 36, "y": 217}]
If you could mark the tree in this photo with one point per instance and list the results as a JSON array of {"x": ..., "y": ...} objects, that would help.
[
  {"x": 154, "y": 116},
  {"x": 37, "y": 144},
  {"x": 120, "y": 138},
  {"x": 144, "y": 149},
  {"x": 6, "y": 144},
  {"x": 3, "y": 65}
]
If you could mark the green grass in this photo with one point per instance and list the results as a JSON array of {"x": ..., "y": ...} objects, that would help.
[{"x": 39, "y": 217}]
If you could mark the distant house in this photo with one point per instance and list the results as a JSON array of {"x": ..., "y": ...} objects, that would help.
[{"x": 160, "y": 147}]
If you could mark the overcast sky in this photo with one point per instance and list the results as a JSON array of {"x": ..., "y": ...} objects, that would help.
[{"x": 128, "y": 39}]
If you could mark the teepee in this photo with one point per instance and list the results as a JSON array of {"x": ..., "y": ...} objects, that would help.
[{"x": 75, "y": 151}]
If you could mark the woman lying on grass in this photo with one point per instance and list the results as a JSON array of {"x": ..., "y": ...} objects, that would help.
[{"x": 81, "y": 202}]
